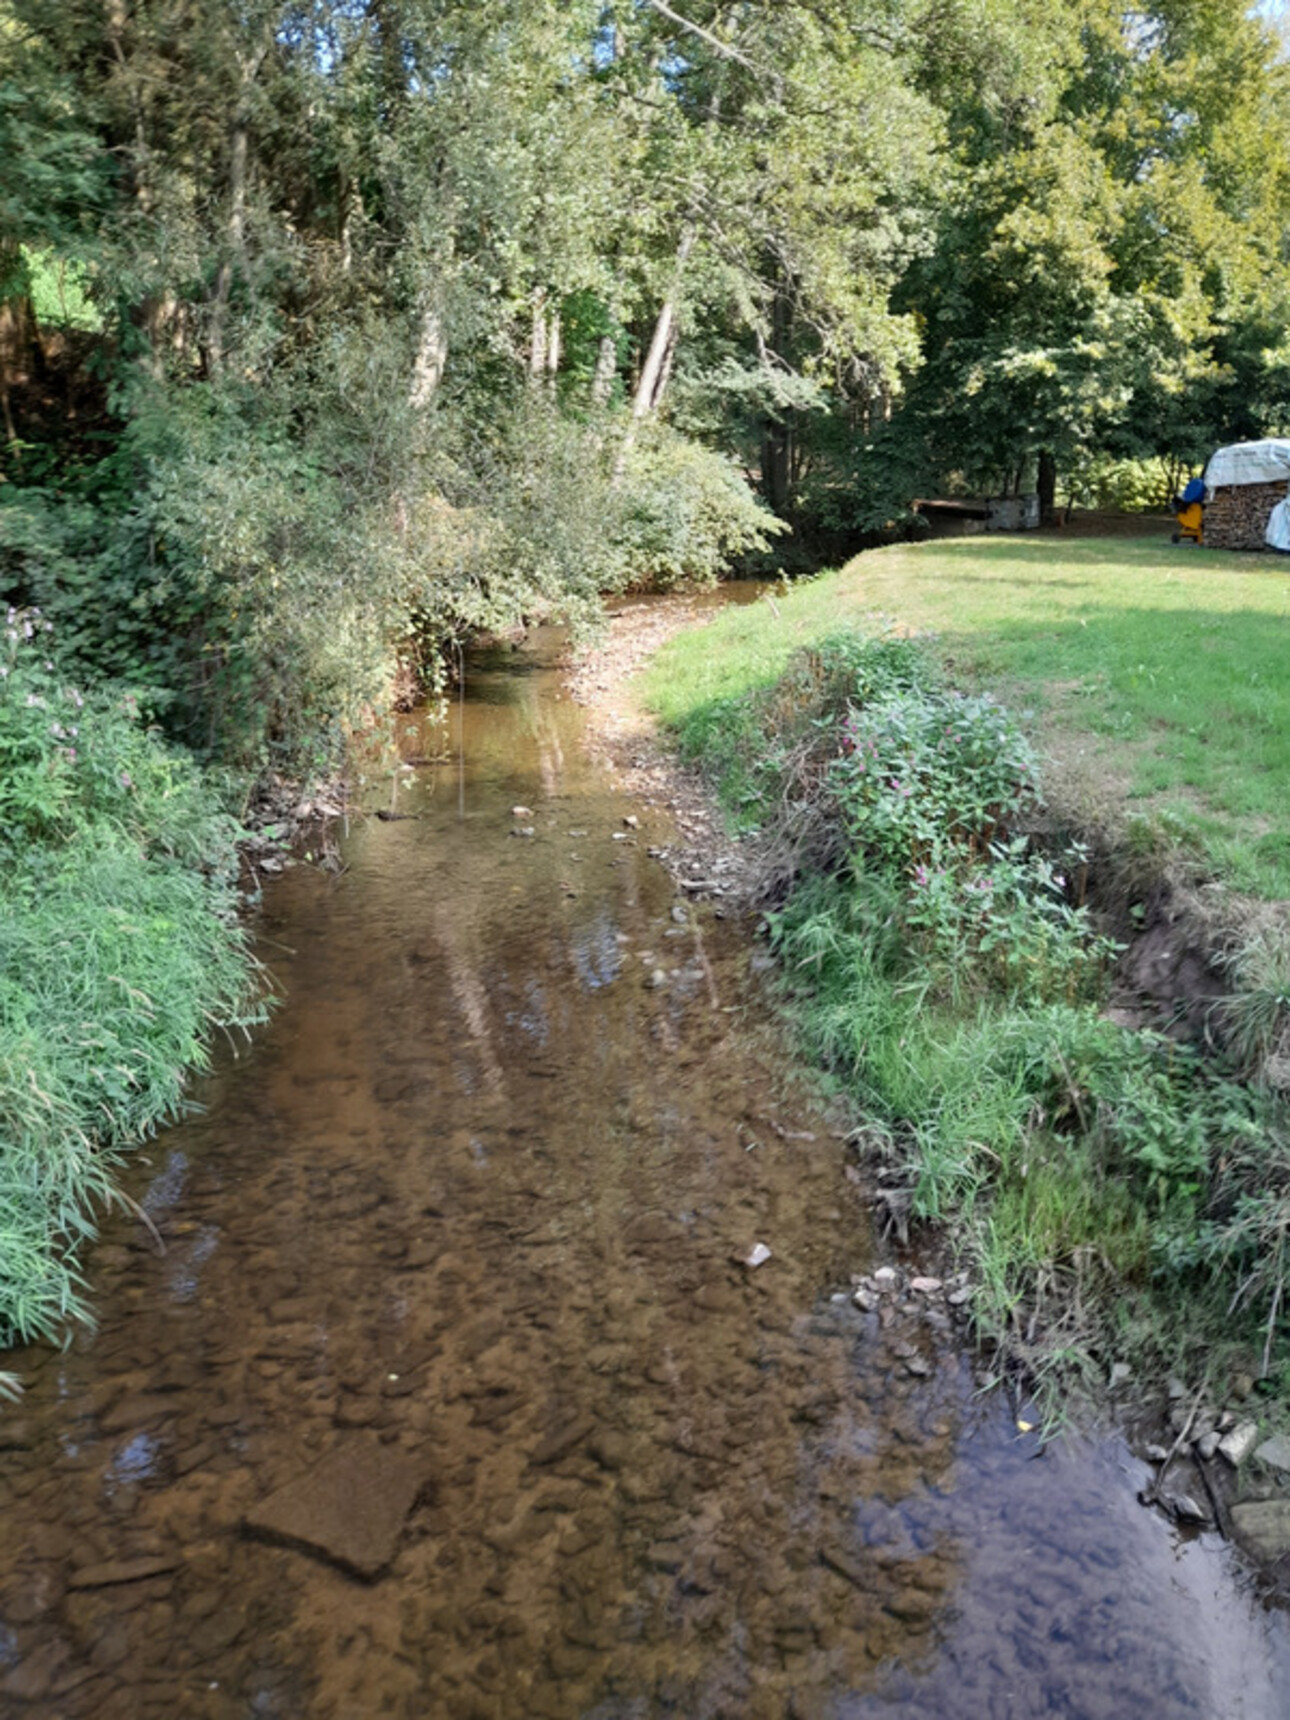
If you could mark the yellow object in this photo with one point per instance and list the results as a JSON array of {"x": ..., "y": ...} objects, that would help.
[{"x": 1190, "y": 522}]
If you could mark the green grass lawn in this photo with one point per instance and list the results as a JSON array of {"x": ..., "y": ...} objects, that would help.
[{"x": 1156, "y": 677}]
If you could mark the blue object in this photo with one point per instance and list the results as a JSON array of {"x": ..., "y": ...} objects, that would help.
[{"x": 1195, "y": 491}]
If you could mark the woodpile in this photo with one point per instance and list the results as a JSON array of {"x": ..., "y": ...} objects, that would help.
[{"x": 1236, "y": 515}]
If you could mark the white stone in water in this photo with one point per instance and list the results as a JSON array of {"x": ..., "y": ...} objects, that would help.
[
  {"x": 1237, "y": 1445},
  {"x": 759, "y": 1255}
]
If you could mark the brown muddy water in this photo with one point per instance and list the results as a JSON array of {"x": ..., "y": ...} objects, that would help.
[{"x": 451, "y": 1296}]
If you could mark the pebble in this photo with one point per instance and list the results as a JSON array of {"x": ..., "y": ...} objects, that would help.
[
  {"x": 655, "y": 980},
  {"x": 925, "y": 1286},
  {"x": 524, "y": 830},
  {"x": 957, "y": 1298},
  {"x": 524, "y": 812},
  {"x": 758, "y": 1256},
  {"x": 865, "y": 1300},
  {"x": 1156, "y": 1454},
  {"x": 886, "y": 1278},
  {"x": 1207, "y": 1445}
]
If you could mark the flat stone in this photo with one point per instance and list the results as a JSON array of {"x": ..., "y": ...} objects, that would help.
[
  {"x": 562, "y": 1441},
  {"x": 349, "y": 1510},
  {"x": 925, "y": 1286},
  {"x": 1207, "y": 1445},
  {"x": 137, "y": 1409},
  {"x": 116, "y": 1571},
  {"x": 1237, "y": 1445},
  {"x": 886, "y": 1278},
  {"x": 1263, "y": 1528},
  {"x": 1275, "y": 1452},
  {"x": 758, "y": 1255}
]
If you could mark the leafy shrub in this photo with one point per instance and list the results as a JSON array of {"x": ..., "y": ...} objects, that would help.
[
  {"x": 1003, "y": 923},
  {"x": 923, "y": 769},
  {"x": 685, "y": 514}
]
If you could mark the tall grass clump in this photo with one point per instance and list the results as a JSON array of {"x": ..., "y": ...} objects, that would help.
[
  {"x": 120, "y": 951},
  {"x": 1110, "y": 1192}
]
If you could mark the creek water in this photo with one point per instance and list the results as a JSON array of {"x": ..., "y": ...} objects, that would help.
[{"x": 469, "y": 1219}]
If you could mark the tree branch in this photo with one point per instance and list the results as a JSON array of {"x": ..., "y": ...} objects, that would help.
[{"x": 722, "y": 48}]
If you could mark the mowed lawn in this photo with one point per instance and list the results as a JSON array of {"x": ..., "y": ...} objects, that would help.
[{"x": 1155, "y": 678}]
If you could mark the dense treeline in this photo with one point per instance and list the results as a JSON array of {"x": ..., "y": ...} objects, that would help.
[{"x": 331, "y": 330}]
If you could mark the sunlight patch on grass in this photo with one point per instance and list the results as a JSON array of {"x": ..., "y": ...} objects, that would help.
[{"x": 1167, "y": 660}]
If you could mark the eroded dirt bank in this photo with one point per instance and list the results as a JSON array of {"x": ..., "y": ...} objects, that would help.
[{"x": 451, "y": 1394}]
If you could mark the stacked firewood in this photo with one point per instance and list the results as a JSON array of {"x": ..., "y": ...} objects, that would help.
[{"x": 1236, "y": 515}]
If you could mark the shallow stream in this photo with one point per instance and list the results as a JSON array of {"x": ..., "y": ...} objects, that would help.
[{"x": 468, "y": 1220}]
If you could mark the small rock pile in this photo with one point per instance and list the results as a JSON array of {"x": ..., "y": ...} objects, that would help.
[
  {"x": 1203, "y": 1478},
  {"x": 1236, "y": 515}
]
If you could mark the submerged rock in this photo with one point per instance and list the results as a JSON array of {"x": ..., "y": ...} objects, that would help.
[{"x": 349, "y": 1510}]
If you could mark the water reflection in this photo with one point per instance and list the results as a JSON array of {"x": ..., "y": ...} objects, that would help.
[{"x": 478, "y": 1200}]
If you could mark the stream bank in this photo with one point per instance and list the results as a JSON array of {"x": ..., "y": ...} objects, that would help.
[{"x": 453, "y": 1394}]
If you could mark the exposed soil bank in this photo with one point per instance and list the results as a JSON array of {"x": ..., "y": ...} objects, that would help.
[{"x": 451, "y": 1394}]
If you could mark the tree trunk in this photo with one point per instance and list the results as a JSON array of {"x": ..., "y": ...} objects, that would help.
[
  {"x": 239, "y": 153},
  {"x": 554, "y": 338},
  {"x": 777, "y": 427},
  {"x": 602, "y": 382},
  {"x": 776, "y": 465},
  {"x": 654, "y": 372},
  {"x": 432, "y": 356},
  {"x": 537, "y": 340},
  {"x": 1046, "y": 484}
]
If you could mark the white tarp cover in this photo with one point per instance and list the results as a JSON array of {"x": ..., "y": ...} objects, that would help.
[
  {"x": 1278, "y": 532},
  {"x": 1266, "y": 462}
]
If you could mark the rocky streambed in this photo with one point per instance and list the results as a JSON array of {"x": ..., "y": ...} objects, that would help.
[{"x": 518, "y": 1344}]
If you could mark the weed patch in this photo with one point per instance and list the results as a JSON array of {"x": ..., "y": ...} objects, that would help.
[
  {"x": 1111, "y": 1192},
  {"x": 119, "y": 952}
]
